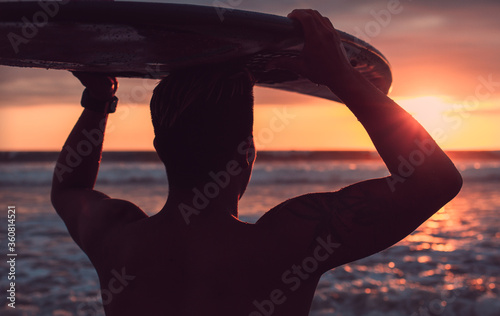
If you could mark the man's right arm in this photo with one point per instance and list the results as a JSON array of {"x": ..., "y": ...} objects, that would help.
[
  {"x": 369, "y": 216},
  {"x": 397, "y": 136}
]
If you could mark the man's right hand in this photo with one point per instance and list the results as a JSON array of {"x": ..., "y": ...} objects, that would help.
[
  {"x": 100, "y": 86},
  {"x": 323, "y": 59}
]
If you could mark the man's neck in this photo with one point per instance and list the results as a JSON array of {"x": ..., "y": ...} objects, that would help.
[{"x": 190, "y": 205}]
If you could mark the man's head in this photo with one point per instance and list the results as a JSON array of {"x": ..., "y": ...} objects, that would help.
[{"x": 203, "y": 121}]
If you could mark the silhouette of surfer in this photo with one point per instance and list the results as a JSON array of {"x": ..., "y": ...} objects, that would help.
[{"x": 195, "y": 257}]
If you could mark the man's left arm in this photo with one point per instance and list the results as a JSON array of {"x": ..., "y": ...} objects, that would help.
[{"x": 87, "y": 213}]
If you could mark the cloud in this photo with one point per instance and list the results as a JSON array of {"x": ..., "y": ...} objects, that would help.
[
  {"x": 30, "y": 86},
  {"x": 488, "y": 112}
]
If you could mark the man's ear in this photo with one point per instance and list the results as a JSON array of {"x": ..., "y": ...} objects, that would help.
[
  {"x": 159, "y": 142},
  {"x": 160, "y": 151},
  {"x": 240, "y": 155},
  {"x": 245, "y": 153},
  {"x": 242, "y": 160}
]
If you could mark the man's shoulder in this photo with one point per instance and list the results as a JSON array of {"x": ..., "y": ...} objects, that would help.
[
  {"x": 307, "y": 207},
  {"x": 106, "y": 221},
  {"x": 299, "y": 221},
  {"x": 116, "y": 211}
]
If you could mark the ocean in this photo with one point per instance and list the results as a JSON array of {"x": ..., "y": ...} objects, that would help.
[{"x": 449, "y": 266}]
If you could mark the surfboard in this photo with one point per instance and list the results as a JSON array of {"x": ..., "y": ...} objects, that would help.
[{"x": 149, "y": 40}]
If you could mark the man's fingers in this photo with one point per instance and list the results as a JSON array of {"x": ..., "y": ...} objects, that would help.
[
  {"x": 94, "y": 79},
  {"x": 310, "y": 17},
  {"x": 306, "y": 20},
  {"x": 99, "y": 85},
  {"x": 322, "y": 47},
  {"x": 313, "y": 23}
]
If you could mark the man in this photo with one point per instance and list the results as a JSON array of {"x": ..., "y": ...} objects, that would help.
[{"x": 195, "y": 257}]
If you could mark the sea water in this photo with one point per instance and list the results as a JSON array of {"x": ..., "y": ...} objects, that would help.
[{"x": 449, "y": 266}]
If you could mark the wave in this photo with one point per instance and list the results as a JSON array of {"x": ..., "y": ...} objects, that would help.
[
  {"x": 265, "y": 172},
  {"x": 150, "y": 156}
]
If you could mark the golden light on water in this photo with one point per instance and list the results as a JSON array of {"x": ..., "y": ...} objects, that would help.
[
  {"x": 423, "y": 246},
  {"x": 449, "y": 287},
  {"x": 428, "y": 273},
  {"x": 424, "y": 259},
  {"x": 443, "y": 247}
]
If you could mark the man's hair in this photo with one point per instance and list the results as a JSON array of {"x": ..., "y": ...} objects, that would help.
[{"x": 201, "y": 116}]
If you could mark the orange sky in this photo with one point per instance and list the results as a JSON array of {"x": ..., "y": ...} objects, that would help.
[{"x": 444, "y": 58}]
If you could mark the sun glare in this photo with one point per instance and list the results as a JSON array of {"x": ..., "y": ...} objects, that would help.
[
  {"x": 435, "y": 113},
  {"x": 428, "y": 110}
]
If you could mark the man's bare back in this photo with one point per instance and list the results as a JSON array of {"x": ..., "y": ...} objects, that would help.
[
  {"x": 214, "y": 266},
  {"x": 192, "y": 260},
  {"x": 217, "y": 264}
]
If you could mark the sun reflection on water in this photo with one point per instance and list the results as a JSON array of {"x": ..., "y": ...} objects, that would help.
[{"x": 450, "y": 260}]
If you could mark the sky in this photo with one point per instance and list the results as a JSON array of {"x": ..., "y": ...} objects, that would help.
[{"x": 445, "y": 63}]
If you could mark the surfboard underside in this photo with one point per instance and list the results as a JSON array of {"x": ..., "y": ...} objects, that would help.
[{"x": 149, "y": 40}]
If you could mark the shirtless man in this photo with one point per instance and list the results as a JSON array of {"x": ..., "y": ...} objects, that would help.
[{"x": 195, "y": 257}]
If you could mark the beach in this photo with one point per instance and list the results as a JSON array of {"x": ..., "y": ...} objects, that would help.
[{"x": 449, "y": 266}]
